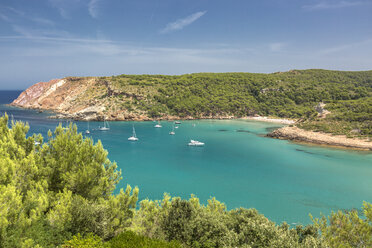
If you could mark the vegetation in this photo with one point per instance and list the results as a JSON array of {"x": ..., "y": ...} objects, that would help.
[
  {"x": 292, "y": 94},
  {"x": 58, "y": 193},
  {"x": 349, "y": 117}
]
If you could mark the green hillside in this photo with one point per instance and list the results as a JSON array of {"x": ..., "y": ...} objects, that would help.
[{"x": 292, "y": 94}]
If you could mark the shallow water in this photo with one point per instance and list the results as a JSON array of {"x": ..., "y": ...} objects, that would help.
[{"x": 283, "y": 180}]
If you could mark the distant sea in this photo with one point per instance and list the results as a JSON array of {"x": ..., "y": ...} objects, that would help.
[{"x": 238, "y": 165}]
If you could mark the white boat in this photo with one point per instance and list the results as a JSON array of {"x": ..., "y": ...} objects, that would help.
[
  {"x": 158, "y": 125},
  {"x": 87, "y": 131},
  {"x": 177, "y": 122},
  {"x": 176, "y": 127},
  {"x": 105, "y": 126},
  {"x": 134, "y": 136},
  {"x": 172, "y": 132},
  {"x": 196, "y": 143}
]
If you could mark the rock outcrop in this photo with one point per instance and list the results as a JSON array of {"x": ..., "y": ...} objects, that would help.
[
  {"x": 297, "y": 134},
  {"x": 322, "y": 112},
  {"x": 75, "y": 98}
]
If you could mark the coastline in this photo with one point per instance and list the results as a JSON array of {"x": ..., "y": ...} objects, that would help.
[
  {"x": 291, "y": 133},
  {"x": 269, "y": 119},
  {"x": 301, "y": 135}
]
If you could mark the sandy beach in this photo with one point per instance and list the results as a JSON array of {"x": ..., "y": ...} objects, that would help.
[{"x": 273, "y": 120}]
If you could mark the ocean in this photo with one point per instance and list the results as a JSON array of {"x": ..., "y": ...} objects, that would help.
[{"x": 238, "y": 165}]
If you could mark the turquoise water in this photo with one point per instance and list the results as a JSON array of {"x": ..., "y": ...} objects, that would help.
[{"x": 283, "y": 180}]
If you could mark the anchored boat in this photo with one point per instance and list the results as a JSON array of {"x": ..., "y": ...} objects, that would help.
[
  {"x": 196, "y": 143},
  {"x": 134, "y": 136}
]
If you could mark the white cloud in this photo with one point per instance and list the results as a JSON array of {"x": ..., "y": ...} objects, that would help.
[
  {"x": 181, "y": 23},
  {"x": 93, "y": 8},
  {"x": 333, "y": 5},
  {"x": 65, "y": 7},
  {"x": 345, "y": 47},
  {"x": 16, "y": 11},
  {"x": 277, "y": 46},
  {"x": 4, "y": 18},
  {"x": 49, "y": 56},
  {"x": 29, "y": 33},
  {"x": 42, "y": 21},
  {"x": 16, "y": 16}
]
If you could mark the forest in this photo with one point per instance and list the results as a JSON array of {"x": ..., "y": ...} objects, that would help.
[
  {"x": 293, "y": 94},
  {"x": 57, "y": 191}
]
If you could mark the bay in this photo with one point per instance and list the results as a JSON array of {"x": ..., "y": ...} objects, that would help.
[{"x": 238, "y": 165}]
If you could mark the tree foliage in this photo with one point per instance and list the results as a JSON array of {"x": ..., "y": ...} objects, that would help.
[
  {"x": 292, "y": 94},
  {"x": 44, "y": 202},
  {"x": 50, "y": 190}
]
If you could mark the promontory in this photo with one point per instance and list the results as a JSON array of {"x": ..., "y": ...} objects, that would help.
[{"x": 329, "y": 102}]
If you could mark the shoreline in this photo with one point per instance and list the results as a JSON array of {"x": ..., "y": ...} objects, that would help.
[
  {"x": 269, "y": 119},
  {"x": 291, "y": 133},
  {"x": 303, "y": 136},
  {"x": 138, "y": 117}
]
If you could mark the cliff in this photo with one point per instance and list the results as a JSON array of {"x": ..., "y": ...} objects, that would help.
[{"x": 76, "y": 98}]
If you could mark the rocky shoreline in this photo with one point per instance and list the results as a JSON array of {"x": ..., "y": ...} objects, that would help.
[
  {"x": 95, "y": 99},
  {"x": 132, "y": 117},
  {"x": 292, "y": 133},
  {"x": 296, "y": 134}
]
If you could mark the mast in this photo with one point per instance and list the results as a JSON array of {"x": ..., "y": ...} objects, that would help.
[{"x": 134, "y": 132}]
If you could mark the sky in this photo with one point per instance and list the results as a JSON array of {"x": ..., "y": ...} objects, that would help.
[{"x": 45, "y": 39}]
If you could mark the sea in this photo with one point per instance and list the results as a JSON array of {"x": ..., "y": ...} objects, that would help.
[{"x": 238, "y": 165}]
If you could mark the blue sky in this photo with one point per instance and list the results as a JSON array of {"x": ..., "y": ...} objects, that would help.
[{"x": 45, "y": 39}]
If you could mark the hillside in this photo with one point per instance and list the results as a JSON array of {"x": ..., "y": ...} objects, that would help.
[{"x": 346, "y": 98}]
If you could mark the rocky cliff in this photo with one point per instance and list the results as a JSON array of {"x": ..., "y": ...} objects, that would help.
[{"x": 77, "y": 98}]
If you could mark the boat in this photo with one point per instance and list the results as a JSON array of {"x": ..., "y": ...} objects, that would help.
[
  {"x": 87, "y": 131},
  {"x": 134, "y": 136},
  {"x": 172, "y": 132},
  {"x": 176, "y": 127},
  {"x": 196, "y": 143},
  {"x": 158, "y": 125},
  {"x": 177, "y": 122},
  {"x": 105, "y": 126}
]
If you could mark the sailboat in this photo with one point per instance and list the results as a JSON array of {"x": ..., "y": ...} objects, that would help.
[
  {"x": 195, "y": 143},
  {"x": 87, "y": 131},
  {"x": 172, "y": 132},
  {"x": 105, "y": 126},
  {"x": 158, "y": 125},
  {"x": 134, "y": 136}
]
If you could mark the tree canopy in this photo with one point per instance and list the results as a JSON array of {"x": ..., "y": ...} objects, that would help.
[{"x": 57, "y": 192}]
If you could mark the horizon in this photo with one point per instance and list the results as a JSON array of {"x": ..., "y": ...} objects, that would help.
[
  {"x": 56, "y": 39},
  {"x": 154, "y": 74}
]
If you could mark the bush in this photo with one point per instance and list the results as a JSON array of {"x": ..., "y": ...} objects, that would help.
[
  {"x": 89, "y": 241},
  {"x": 129, "y": 239}
]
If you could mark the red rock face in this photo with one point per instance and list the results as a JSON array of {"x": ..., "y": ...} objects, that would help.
[
  {"x": 65, "y": 96},
  {"x": 29, "y": 98}
]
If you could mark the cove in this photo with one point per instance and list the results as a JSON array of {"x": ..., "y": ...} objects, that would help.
[{"x": 238, "y": 165}]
